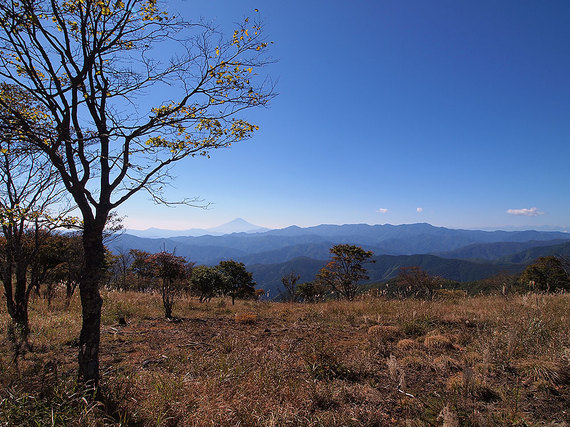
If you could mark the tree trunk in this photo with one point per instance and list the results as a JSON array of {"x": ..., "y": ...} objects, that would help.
[
  {"x": 91, "y": 303},
  {"x": 8, "y": 292},
  {"x": 20, "y": 317},
  {"x": 20, "y": 303}
]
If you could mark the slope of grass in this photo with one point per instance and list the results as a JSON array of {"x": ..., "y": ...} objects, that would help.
[{"x": 472, "y": 361}]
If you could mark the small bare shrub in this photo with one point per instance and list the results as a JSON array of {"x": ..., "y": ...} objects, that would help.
[
  {"x": 393, "y": 367},
  {"x": 448, "y": 417}
]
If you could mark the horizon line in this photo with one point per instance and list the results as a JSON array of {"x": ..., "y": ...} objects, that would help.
[{"x": 472, "y": 228}]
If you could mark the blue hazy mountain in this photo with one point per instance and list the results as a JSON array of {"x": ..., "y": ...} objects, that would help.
[
  {"x": 529, "y": 255},
  {"x": 268, "y": 276},
  {"x": 237, "y": 225},
  {"x": 493, "y": 251},
  {"x": 461, "y": 255},
  {"x": 275, "y": 246}
]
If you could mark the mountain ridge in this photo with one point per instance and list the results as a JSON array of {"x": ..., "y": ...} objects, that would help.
[
  {"x": 237, "y": 225},
  {"x": 456, "y": 254},
  {"x": 281, "y": 245}
]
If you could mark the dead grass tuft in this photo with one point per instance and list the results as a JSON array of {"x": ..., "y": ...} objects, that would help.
[
  {"x": 446, "y": 363},
  {"x": 439, "y": 342},
  {"x": 246, "y": 318},
  {"x": 415, "y": 362},
  {"x": 549, "y": 371},
  {"x": 384, "y": 332},
  {"x": 407, "y": 344}
]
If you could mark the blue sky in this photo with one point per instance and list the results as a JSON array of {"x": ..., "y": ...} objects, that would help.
[{"x": 461, "y": 109}]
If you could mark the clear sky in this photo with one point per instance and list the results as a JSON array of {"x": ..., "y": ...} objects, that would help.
[{"x": 455, "y": 113}]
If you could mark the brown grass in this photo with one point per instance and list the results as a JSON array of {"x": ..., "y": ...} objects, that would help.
[
  {"x": 384, "y": 332},
  {"x": 468, "y": 361},
  {"x": 247, "y": 318},
  {"x": 438, "y": 341},
  {"x": 407, "y": 345}
]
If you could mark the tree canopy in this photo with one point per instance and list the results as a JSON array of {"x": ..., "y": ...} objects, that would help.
[
  {"x": 342, "y": 274},
  {"x": 414, "y": 281},
  {"x": 238, "y": 281},
  {"x": 172, "y": 271},
  {"x": 207, "y": 281},
  {"x": 546, "y": 274}
]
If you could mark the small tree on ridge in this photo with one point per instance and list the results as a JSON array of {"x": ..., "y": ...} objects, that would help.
[
  {"x": 172, "y": 271},
  {"x": 342, "y": 274},
  {"x": 238, "y": 281}
]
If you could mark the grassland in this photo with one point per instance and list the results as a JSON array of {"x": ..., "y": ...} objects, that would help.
[{"x": 484, "y": 360}]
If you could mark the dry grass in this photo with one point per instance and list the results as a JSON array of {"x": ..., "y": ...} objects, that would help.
[
  {"x": 384, "y": 333},
  {"x": 468, "y": 361},
  {"x": 437, "y": 341},
  {"x": 248, "y": 318}
]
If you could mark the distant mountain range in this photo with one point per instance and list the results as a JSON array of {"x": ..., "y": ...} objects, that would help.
[
  {"x": 268, "y": 276},
  {"x": 528, "y": 227},
  {"x": 462, "y": 255},
  {"x": 493, "y": 251},
  {"x": 238, "y": 225}
]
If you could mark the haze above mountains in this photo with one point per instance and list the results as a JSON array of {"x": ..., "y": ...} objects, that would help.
[
  {"x": 238, "y": 225},
  {"x": 456, "y": 254}
]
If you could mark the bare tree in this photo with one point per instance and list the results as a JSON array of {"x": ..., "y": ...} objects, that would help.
[
  {"x": 414, "y": 281},
  {"x": 290, "y": 283},
  {"x": 173, "y": 272},
  {"x": 92, "y": 64},
  {"x": 122, "y": 268},
  {"x": 32, "y": 202}
]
